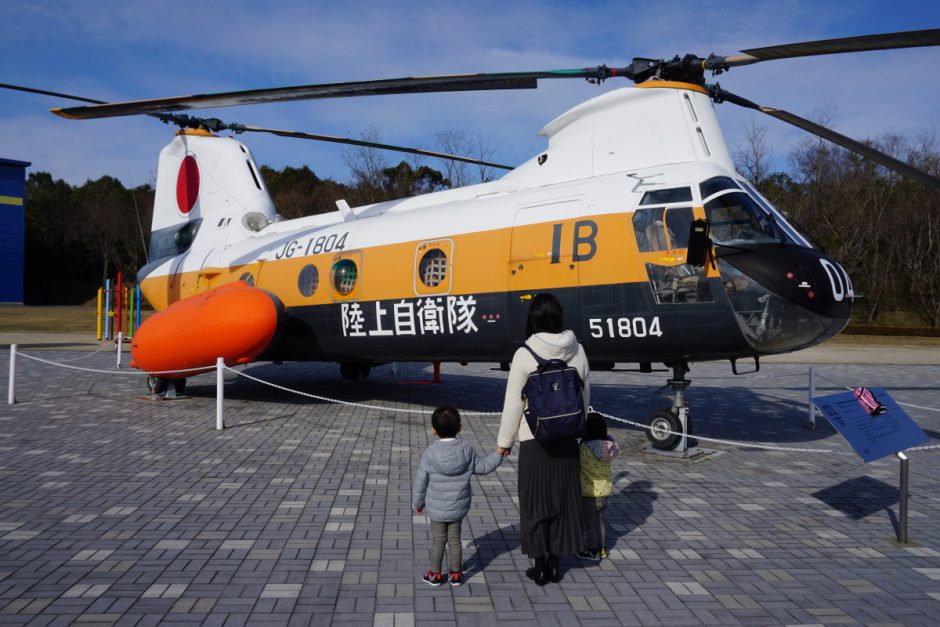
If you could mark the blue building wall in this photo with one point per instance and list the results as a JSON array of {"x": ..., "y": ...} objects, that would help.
[{"x": 12, "y": 229}]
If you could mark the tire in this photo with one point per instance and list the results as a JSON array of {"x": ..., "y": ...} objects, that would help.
[
  {"x": 156, "y": 385},
  {"x": 660, "y": 421},
  {"x": 179, "y": 386}
]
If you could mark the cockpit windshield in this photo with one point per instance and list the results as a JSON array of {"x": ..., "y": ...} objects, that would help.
[{"x": 736, "y": 219}]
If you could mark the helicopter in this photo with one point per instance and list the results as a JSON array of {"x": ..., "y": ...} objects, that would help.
[{"x": 633, "y": 216}]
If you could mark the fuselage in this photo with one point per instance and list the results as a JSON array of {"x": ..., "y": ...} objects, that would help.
[{"x": 601, "y": 219}]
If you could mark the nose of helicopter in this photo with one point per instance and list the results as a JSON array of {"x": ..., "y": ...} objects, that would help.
[{"x": 785, "y": 297}]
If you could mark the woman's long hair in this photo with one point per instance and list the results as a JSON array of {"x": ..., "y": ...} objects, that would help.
[{"x": 545, "y": 315}]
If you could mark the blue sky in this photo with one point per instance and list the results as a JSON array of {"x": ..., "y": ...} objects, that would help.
[{"x": 142, "y": 49}]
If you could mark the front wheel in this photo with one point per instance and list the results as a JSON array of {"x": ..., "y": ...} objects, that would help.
[{"x": 660, "y": 423}]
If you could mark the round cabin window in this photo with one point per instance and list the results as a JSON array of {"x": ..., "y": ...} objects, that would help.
[
  {"x": 308, "y": 280},
  {"x": 345, "y": 275},
  {"x": 432, "y": 269}
]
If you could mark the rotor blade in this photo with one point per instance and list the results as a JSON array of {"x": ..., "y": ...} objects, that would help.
[
  {"x": 359, "y": 142},
  {"x": 836, "y": 138},
  {"x": 50, "y": 93},
  {"x": 410, "y": 85},
  {"x": 886, "y": 41}
]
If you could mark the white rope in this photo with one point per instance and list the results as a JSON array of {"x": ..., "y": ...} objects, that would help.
[
  {"x": 727, "y": 442},
  {"x": 898, "y": 402},
  {"x": 127, "y": 372},
  {"x": 353, "y": 404},
  {"x": 86, "y": 355},
  {"x": 468, "y": 413}
]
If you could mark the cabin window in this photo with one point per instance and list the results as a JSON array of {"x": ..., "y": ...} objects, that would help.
[
  {"x": 173, "y": 240},
  {"x": 662, "y": 229},
  {"x": 345, "y": 276},
  {"x": 667, "y": 196},
  {"x": 716, "y": 184},
  {"x": 433, "y": 265},
  {"x": 248, "y": 278},
  {"x": 308, "y": 280},
  {"x": 432, "y": 269},
  {"x": 679, "y": 284}
]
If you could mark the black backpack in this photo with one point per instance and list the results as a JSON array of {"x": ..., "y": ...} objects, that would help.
[{"x": 554, "y": 401}]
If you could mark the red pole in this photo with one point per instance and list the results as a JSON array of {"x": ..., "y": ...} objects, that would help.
[{"x": 119, "y": 298}]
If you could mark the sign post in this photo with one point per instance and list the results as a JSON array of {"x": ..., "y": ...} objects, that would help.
[{"x": 886, "y": 431}]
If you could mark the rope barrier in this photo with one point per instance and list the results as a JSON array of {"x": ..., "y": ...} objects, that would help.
[
  {"x": 720, "y": 441},
  {"x": 353, "y": 404},
  {"x": 135, "y": 373},
  {"x": 898, "y": 402},
  {"x": 86, "y": 355},
  {"x": 637, "y": 425}
]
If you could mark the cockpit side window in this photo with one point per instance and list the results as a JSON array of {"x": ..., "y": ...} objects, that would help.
[
  {"x": 737, "y": 219},
  {"x": 793, "y": 234}
]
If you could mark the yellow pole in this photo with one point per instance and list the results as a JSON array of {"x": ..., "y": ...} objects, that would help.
[{"x": 100, "y": 291}]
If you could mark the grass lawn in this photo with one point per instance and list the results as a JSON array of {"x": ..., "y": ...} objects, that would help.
[{"x": 64, "y": 319}]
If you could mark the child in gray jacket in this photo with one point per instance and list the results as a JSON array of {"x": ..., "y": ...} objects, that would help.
[{"x": 442, "y": 487}]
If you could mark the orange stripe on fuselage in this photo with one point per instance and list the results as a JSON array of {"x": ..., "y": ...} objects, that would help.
[{"x": 516, "y": 258}]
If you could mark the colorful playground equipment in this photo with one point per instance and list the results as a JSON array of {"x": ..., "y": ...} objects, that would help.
[{"x": 118, "y": 309}]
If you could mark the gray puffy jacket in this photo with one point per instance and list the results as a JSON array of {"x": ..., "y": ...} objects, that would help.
[{"x": 442, "y": 484}]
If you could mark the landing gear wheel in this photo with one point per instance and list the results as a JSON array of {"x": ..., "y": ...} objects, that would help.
[
  {"x": 156, "y": 385},
  {"x": 660, "y": 422},
  {"x": 159, "y": 386}
]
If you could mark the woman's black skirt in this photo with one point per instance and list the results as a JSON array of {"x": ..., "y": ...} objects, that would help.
[{"x": 550, "y": 498}]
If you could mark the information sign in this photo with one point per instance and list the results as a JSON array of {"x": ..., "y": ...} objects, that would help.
[{"x": 872, "y": 436}]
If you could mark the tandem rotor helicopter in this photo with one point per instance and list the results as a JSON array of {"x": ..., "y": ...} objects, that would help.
[{"x": 634, "y": 216}]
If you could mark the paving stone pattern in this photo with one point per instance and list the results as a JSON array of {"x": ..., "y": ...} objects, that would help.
[{"x": 115, "y": 509}]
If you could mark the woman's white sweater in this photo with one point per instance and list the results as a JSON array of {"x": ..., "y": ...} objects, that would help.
[{"x": 562, "y": 345}]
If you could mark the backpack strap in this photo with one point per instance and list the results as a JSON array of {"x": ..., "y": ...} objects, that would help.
[{"x": 538, "y": 360}]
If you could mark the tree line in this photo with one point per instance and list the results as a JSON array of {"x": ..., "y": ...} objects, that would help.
[{"x": 884, "y": 228}]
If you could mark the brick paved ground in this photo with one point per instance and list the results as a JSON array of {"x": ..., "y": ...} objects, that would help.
[{"x": 119, "y": 510}]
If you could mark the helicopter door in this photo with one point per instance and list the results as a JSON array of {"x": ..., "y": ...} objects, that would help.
[{"x": 541, "y": 261}]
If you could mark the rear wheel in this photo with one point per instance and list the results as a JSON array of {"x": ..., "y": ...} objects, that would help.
[
  {"x": 156, "y": 385},
  {"x": 660, "y": 423}
]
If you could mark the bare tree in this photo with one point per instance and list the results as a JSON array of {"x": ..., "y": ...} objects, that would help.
[
  {"x": 366, "y": 166},
  {"x": 454, "y": 142},
  {"x": 753, "y": 157}
]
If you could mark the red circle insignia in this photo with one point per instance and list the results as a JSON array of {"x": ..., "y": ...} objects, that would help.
[{"x": 187, "y": 184}]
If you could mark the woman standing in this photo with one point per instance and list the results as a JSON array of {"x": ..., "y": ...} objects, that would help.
[{"x": 549, "y": 473}]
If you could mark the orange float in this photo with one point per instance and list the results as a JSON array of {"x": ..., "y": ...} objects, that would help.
[{"x": 235, "y": 321}]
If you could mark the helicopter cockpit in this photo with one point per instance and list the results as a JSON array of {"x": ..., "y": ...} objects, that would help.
[{"x": 768, "y": 269}]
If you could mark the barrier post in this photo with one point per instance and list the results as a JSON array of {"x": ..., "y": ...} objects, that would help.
[
  {"x": 11, "y": 392},
  {"x": 811, "y": 421},
  {"x": 902, "y": 513},
  {"x": 119, "y": 303},
  {"x": 120, "y": 347},
  {"x": 219, "y": 393}
]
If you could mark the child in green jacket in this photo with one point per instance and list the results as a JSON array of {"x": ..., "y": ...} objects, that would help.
[{"x": 597, "y": 449}]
